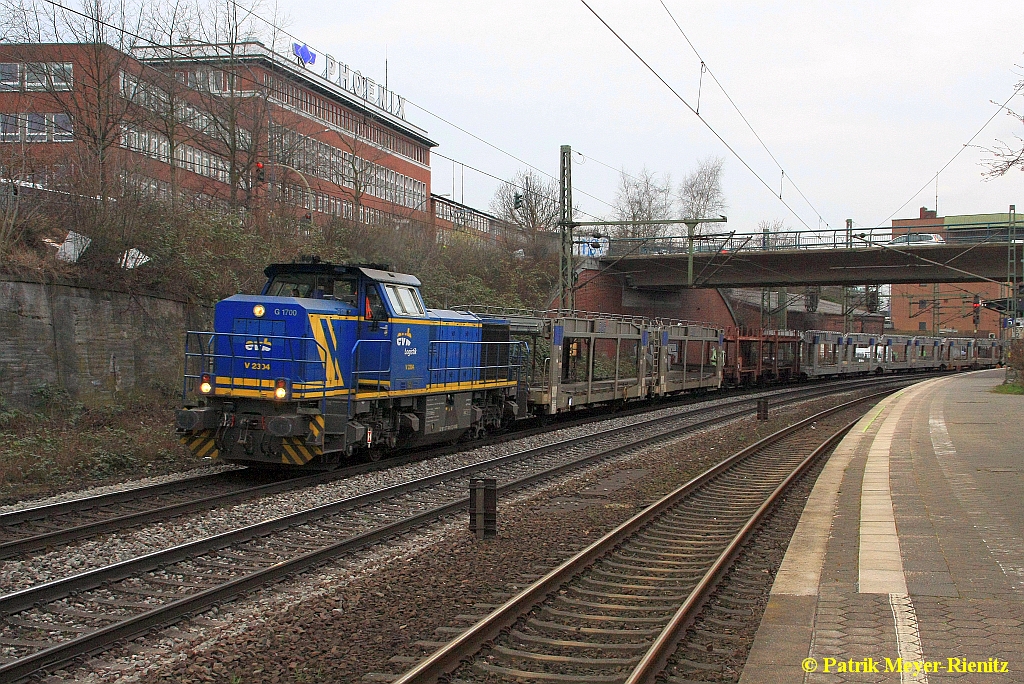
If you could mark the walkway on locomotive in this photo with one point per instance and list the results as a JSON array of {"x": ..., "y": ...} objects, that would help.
[{"x": 322, "y": 330}]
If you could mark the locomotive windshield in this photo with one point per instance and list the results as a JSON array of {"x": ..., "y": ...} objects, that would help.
[
  {"x": 404, "y": 300},
  {"x": 313, "y": 285}
]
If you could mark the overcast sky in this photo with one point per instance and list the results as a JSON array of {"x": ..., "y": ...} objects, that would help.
[{"x": 861, "y": 103}]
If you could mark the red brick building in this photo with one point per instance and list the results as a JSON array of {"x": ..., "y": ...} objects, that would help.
[
  {"x": 232, "y": 124},
  {"x": 948, "y": 308}
]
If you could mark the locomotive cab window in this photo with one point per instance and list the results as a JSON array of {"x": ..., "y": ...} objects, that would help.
[
  {"x": 292, "y": 285},
  {"x": 404, "y": 300},
  {"x": 345, "y": 290},
  {"x": 312, "y": 285},
  {"x": 373, "y": 307}
]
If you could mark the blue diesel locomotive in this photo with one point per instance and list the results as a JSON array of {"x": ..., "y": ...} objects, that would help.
[{"x": 333, "y": 359}]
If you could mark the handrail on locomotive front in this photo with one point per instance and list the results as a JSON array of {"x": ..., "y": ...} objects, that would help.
[
  {"x": 207, "y": 355},
  {"x": 357, "y": 371}
]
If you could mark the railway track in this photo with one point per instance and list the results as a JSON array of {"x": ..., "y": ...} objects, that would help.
[
  {"x": 48, "y": 624},
  {"x": 34, "y": 529},
  {"x": 618, "y": 610},
  {"x": 717, "y": 644},
  {"x": 31, "y": 529}
]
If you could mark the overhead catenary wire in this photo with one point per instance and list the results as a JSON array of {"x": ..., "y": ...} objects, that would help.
[
  {"x": 508, "y": 154},
  {"x": 963, "y": 147},
  {"x": 442, "y": 119},
  {"x": 704, "y": 67},
  {"x": 245, "y": 79},
  {"x": 690, "y": 107},
  {"x": 587, "y": 157},
  {"x": 511, "y": 184}
]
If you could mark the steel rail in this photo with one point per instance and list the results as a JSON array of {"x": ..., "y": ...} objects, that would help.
[
  {"x": 161, "y": 616},
  {"x": 94, "y": 501},
  {"x": 67, "y": 535},
  {"x": 449, "y": 657},
  {"x": 656, "y": 658},
  {"x": 70, "y": 534},
  {"x": 98, "y": 500}
]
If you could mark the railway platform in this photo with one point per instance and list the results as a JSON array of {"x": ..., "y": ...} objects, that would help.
[{"x": 907, "y": 564}]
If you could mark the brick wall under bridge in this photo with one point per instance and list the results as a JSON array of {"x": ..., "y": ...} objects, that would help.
[{"x": 606, "y": 292}]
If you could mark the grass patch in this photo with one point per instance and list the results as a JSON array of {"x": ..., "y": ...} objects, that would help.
[
  {"x": 62, "y": 445},
  {"x": 1009, "y": 388}
]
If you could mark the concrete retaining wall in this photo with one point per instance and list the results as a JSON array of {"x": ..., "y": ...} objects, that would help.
[{"x": 95, "y": 344}]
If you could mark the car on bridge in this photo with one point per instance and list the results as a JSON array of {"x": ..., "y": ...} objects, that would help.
[{"x": 914, "y": 239}]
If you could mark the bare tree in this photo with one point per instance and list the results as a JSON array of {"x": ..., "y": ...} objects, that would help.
[
  {"x": 235, "y": 119},
  {"x": 774, "y": 234},
  {"x": 358, "y": 174},
  {"x": 643, "y": 197},
  {"x": 163, "y": 98},
  {"x": 528, "y": 204},
  {"x": 700, "y": 193},
  {"x": 91, "y": 45},
  {"x": 1005, "y": 156},
  {"x": 89, "y": 95},
  {"x": 17, "y": 167}
]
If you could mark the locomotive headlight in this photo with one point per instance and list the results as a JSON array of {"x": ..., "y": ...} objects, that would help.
[
  {"x": 259, "y": 310},
  {"x": 281, "y": 389},
  {"x": 205, "y": 387}
]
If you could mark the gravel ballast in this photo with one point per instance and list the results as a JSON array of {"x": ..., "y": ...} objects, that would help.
[
  {"x": 366, "y": 614},
  {"x": 23, "y": 572}
]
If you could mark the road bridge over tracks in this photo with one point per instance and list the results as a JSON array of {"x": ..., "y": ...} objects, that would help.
[{"x": 787, "y": 259}]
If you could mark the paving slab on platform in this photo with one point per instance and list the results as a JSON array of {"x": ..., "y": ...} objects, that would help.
[{"x": 910, "y": 548}]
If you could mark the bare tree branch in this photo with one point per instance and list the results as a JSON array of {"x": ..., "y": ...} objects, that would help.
[
  {"x": 772, "y": 234},
  {"x": 700, "y": 193},
  {"x": 1005, "y": 156},
  {"x": 528, "y": 204},
  {"x": 642, "y": 197}
]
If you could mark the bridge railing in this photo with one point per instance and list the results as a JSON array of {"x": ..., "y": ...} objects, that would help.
[{"x": 725, "y": 243}]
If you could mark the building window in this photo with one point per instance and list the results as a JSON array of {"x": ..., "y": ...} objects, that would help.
[
  {"x": 10, "y": 76},
  {"x": 10, "y": 128},
  {"x": 61, "y": 75},
  {"x": 35, "y": 76},
  {"x": 923, "y": 304},
  {"x": 922, "y": 326},
  {"x": 62, "y": 128},
  {"x": 35, "y": 127}
]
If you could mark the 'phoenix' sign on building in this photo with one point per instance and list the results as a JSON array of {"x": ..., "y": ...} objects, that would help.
[{"x": 363, "y": 87}]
